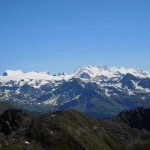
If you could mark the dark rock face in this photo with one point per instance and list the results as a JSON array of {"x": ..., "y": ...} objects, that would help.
[
  {"x": 69, "y": 129},
  {"x": 138, "y": 118},
  {"x": 127, "y": 81},
  {"x": 5, "y": 74},
  {"x": 11, "y": 120},
  {"x": 145, "y": 83}
]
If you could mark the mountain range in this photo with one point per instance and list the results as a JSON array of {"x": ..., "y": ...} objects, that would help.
[{"x": 98, "y": 91}]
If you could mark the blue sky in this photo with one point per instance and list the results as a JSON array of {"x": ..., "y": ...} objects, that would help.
[{"x": 55, "y": 35}]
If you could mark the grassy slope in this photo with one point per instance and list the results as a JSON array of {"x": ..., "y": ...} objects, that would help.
[
  {"x": 69, "y": 129},
  {"x": 4, "y": 106}
]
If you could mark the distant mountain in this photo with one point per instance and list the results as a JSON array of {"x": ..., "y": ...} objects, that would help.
[
  {"x": 69, "y": 129},
  {"x": 95, "y": 90}
]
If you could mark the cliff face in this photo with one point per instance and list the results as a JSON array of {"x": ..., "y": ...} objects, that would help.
[
  {"x": 11, "y": 120},
  {"x": 138, "y": 118}
]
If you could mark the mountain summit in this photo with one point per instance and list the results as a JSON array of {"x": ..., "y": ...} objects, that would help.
[{"x": 96, "y": 90}]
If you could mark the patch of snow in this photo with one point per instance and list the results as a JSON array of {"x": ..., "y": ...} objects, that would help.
[
  {"x": 13, "y": 73},
  {"x": 107, "y": 92},
  {"x": 130, "y": 92},
  {"x": 26, "y": 142},
  {"x": 137, "y": 87},
  {"x": 17, "y": 91},
  {"x": 77, "y": 97},
  {"x": 52, "y": 101},
  {"x": 53, "y": 116}
]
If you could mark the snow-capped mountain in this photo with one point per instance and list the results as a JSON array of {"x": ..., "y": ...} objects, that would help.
[{"x": 95, "y": 90}]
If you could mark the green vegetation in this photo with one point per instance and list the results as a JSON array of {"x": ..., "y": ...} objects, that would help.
[{"x": 69, "y": 129}]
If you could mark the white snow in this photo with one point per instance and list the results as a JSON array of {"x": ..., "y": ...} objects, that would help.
[
  {"x": 53, "y": 116},
  {"x": 137, "y": 87},
  {"x": 52, "y": 101},
  {"x": 130, "y": 92},
  {"x": 77, "y": 97},
  {"x": 107, "y": 92},
  {"x": 13, "y": 73},
  {"x": 92, "y": 71},
  {"x": 112, "y": 72},
  {"x": 31, "y": 77},
  {"x": 96, "y": 74},
  {"x": 26, "y": 142}
]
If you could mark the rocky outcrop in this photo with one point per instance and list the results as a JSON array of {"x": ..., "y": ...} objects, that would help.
[{"x": 137, "y": 118}]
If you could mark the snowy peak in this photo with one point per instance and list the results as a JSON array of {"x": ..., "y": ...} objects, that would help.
[
  {"x": 13, "y": 73},
  {"x": 87, "y": 84},
  {"x": 62, "y": 73},
  {"x": 95, "y": 72},
  {"x": 135, "y": 72},
  {"x": 45, "y": 72},
  {"x": 91, "y": 73},
  {"x": 86, "y": 72},
  {"x": 102, "y": 67}
]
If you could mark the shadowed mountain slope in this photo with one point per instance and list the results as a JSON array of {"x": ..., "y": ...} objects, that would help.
[{"x": 69, "y": 129}]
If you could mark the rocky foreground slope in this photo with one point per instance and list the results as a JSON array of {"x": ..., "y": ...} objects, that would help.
[{"x": 69, "y": 129}]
